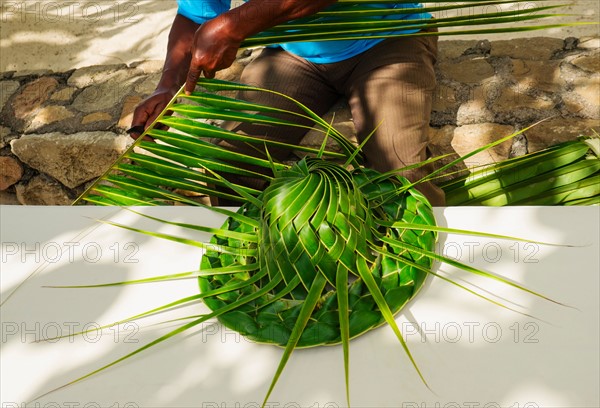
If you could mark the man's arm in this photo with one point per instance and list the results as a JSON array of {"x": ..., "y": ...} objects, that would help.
[
  {"x": 177, "y": 63},
  {"x": 216, "y": 42},
  {"x": 193, "y": 49},
  {"x": 178, "y": 58}
]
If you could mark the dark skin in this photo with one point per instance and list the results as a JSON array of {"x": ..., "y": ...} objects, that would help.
[{"x": 194, "y": 50}]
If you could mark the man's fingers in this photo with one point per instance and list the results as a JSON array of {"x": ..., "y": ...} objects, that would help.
[
  {"x": 138, "y": 123},
  {"x": 143, "y": 116},
  {"x": 136, "y": 131},
  {"x": 192, "y": 79}
]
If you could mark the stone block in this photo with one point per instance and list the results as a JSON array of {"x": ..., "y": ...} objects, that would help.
[
  {"x": 559, "y": 130},
  {"x": 535, "y": 48},
  {"x": 451, "y": 49},
  {"x": 148, "y": 85},
  {"x": 590, "y": 63},
  {"x": 444, "y": 99},
  {"x": 7, "y": 89},
  {"x": 105, "y": 96},
  {"x": 246, "y": 56},
  {"x": 31, "y": 72},
  {"x": 541, "y": 75},
  {"x": 32, "y": 96},
  {"x": 470, "y": 137},
  {"x": 589, "y": 43},
  {"x": 63, "y": 95},
  {"x": 7, "y": 198},
  {"x": 232, "y": 73},
  {"x": 48, "y": 115},
  {"x": 5, "y": 136},
  {"x": 470, "y": 71},
  {"x": 148, "y": 67},
  {"x": 96, "y": 117},
  {"x": 71, "y": 159},
  {"x": 10, "y": 172},
  {"x": 98, "y": 74},
  {"x": 473, "y": 111},
  {"x": 519, "y": 146},
  {"x": 587, "y": 91},
  {"x": 440, "y": 144},
  {"x": 42, "y": 191},
  {"x": 512, "y": 99}
]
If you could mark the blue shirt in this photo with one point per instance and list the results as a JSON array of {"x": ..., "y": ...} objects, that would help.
[{"x": 319, "y": 52}]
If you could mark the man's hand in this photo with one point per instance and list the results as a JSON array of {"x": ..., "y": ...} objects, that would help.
[
  {"x": 217, "y": 41},
  {"x": 173, "y": 76},
  {"x": 214, "y": 48},
  {"x": 149, "y": 109}
]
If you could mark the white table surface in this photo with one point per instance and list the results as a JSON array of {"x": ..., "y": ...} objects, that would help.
[{"x": 472, "y": 353}]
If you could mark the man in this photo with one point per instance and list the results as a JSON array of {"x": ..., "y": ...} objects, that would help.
[{"x": 388, "y": 83}]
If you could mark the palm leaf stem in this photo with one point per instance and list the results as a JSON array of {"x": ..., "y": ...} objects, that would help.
[
  {"x": 225, "y": 270},
  {"x": 341, "y": 283},
  {"x": 367, "y": 277},
  {"x": 220, "y": 248},
  {"x": 406, "y": 261},
  {"x": 465, "y": 267},
  {"x": 305, "y": 312},
  {"x": 424, "y": 227},
  {"x": 169, "y": 306},
  {"x": 241, "y": 236},
  {"x": 172, "y": 333},
  {"x": 384, "y": 29},
  {"x": 357, "y": 21}
]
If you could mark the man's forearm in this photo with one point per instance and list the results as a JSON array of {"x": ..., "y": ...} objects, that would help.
[
  {"x": 255, "y": 16},
  {"x": 177, "y": 61},
  {"x": 216, "y": 43}
]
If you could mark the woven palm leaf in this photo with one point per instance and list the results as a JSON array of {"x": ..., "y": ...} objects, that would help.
[{"x": 317, "y": 222}]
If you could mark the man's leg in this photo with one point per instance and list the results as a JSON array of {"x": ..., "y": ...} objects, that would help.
[
  {"x": 280, "y": 71},
  {"x": 392, "y": 87}
]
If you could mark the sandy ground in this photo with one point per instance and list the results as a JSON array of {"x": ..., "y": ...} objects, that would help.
[{"x": 63, "y": 34}]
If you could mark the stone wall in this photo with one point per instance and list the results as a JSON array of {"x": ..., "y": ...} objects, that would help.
[{"x": 58, "y": 131}]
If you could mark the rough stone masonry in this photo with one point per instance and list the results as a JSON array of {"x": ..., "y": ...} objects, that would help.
[{"x": 60, "y": 130}]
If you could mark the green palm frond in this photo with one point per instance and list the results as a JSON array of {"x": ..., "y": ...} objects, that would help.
[
  {"x": 348, "y": 20},
  {"x": 565, "y": 174},
  {"x": 330, "y": 249},
  {"x": 184, "y": 157}
]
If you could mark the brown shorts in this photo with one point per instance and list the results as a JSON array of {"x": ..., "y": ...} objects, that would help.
[{"x": 388, "y": 87}]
